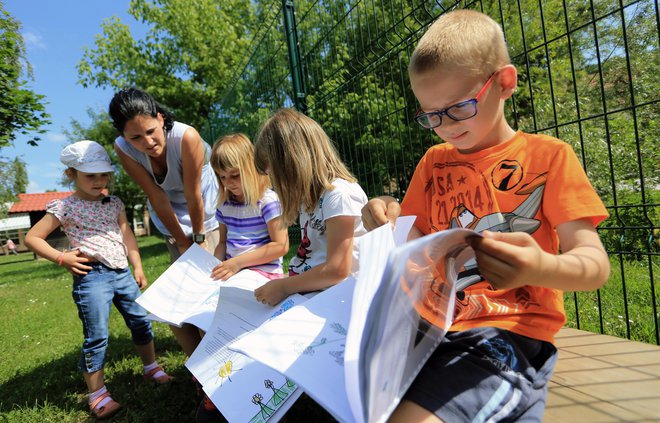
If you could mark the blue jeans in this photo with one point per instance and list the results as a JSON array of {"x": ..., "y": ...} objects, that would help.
[{"x": 94, "y": 294}]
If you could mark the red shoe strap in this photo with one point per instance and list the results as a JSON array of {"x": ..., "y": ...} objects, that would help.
[
  {"x": 153, "y": 371},
  {"x": 96, "y": 402}
]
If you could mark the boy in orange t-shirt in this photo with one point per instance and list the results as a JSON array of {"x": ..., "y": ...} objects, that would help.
[{"x": 528, "y": 195}]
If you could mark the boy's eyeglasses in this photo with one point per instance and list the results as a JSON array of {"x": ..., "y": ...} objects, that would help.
[{"x": 459, "y": 111}]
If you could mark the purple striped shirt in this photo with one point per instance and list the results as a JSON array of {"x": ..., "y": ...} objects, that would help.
[{"x": 247, "y": 227}]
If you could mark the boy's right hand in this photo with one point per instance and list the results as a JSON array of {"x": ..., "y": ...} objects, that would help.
[
  {"x": 379, "y": 210},
  {"x": 74, "y": 261}
]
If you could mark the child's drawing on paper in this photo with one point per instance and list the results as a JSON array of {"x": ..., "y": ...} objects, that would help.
[
  {"x": 338, "y": 354},
  {"x": 225, "y": 371},
  {"x": 268, "y": 407}
]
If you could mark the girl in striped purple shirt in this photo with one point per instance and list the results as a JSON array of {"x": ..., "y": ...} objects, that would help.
[{"x": 251, "y": 231}]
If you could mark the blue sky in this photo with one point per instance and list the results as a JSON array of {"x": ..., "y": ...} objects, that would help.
[{"x": 55, "y": 33}]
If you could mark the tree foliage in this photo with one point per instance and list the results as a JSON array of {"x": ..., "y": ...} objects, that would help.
[
  {"x": 587, "y": 75},
  {"x": 185, "y": 60},
  {"x": 21, "y": 110},
  {"x": 13, "y": 175}
]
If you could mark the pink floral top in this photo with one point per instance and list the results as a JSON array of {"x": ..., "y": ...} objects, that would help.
[{"x": 93, "y": 228}]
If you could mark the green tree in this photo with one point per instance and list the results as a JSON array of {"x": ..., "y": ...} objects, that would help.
[
  {"x": 101, "y": 130},
  {"x": 14, "y": 180},
  {"x": 587, "y": 75},
  {"x": 186, "y": 59},
  {"x": 21, "y": 110},
  {"x": 20, "y": 176}
]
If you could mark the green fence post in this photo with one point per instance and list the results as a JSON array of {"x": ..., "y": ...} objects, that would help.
[{"x": 295, "y": 63}]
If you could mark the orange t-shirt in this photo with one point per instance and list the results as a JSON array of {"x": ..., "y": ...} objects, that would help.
[{"x": 531, "y": 183}]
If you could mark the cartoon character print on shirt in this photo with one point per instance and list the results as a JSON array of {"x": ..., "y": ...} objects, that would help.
[
  {"x": 302, "y": 253},
  {"x": 462, "y": 197}
]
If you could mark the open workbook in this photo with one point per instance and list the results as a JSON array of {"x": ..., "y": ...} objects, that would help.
[
  {"x": 242, "y": 389},
  {"x": 356, "y": 347},
  {"x": 185, "y": 292}
]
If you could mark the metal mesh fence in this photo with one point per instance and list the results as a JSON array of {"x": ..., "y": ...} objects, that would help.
[{"x": 588, "y": 74}]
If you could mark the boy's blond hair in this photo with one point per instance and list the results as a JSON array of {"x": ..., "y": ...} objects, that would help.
[
  {"x": 235, "y": 151},
  {"x": 462, "y": 40},
  {"x": 300, "y": 159}
]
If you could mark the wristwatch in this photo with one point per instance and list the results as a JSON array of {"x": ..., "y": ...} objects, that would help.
[{"x": 198, "y": 238}]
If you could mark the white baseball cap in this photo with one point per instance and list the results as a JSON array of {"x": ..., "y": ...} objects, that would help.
[{"x": 87, "y": 156}]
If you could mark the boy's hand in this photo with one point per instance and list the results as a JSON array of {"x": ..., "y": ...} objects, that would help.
[
  {"x": 75, "y": 263},
  {"x": 271, "y": 293},
  {"x": 225, "y": 270},
  {"x": 379, "y": 210},
  {"x": 511, "y": 260},
  {"x": 140, "y": 278}
]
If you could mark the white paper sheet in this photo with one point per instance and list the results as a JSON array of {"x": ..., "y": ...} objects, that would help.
[
  {"x": 185, "y": 290},
  {"x": 379, "y": 243},
  {"x": 307, "y": 344},
  {"x": 242, "y": 389},
  {"x": 360, "y": 374},
  {"x": 402, "y": 228}
]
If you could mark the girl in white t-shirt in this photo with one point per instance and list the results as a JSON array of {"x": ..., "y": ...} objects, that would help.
[
  {"x": 101, "y": 247},
  {"x": 317, "y": 189}
]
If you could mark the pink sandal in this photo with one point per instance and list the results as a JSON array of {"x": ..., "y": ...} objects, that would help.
[
  {"x": 150, "y": 376},
  {"x": 106, "y": 411}
]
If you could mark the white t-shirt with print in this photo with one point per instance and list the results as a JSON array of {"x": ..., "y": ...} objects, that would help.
[{"x": 346, "y": 199}]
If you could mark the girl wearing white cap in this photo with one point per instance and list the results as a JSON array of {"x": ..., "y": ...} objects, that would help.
[{"x": 102, "y": 245}]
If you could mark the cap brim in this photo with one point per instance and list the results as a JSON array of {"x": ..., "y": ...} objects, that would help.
[{"x": 95, "y": 167}]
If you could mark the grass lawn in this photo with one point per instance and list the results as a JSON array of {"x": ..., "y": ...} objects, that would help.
[
  {"x": 625, "y": 305},
  {"x": 40, "y": 341}
]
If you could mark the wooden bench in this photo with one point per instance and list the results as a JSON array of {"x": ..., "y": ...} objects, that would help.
[{"x": 601, "y": 378}]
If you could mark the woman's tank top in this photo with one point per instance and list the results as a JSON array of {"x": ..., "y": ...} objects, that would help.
[{"x": 172, "y": 183}]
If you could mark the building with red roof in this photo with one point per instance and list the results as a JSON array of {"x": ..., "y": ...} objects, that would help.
[
  {"x": 36, "y": 202},
  {"x": 34, "y": 206}
]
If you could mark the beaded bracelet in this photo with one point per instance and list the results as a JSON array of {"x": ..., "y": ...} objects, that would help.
[{"x": 60, "y": 258}]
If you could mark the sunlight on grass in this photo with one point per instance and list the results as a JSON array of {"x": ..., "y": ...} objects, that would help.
[
  {"x": 624, "y": 304},
  {"x": 41, "y": 337}
]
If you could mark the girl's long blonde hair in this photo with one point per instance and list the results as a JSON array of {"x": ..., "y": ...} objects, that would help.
[
  {"x": 235, "y": 151},
  {"x": 301, "y": 160}
]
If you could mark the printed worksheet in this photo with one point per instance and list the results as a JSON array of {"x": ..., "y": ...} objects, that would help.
[
  {"x": 307, "y": 344},
  {"x": 241, "y": 388},
  {"x": 185, "y": 292},
  {"x": 356, "y": 347}
]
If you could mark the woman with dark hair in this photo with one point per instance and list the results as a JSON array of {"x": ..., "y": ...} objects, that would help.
[{"x": 170, "y": 162}]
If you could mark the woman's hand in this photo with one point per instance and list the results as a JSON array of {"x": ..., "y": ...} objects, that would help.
[
  {"x": 272, "y": 293},
  {"x": 183, "y": 245}
]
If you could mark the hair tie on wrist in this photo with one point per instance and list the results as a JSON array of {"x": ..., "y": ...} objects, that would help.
[{"x": 60, "y": 258}]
